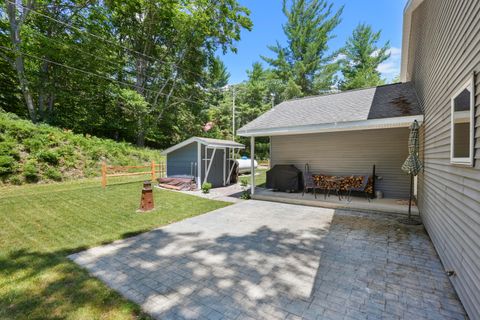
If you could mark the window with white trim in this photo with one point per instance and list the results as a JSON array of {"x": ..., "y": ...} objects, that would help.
[{"x": 462, "y": 125}]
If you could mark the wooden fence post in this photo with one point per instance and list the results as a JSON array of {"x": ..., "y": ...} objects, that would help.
[
  {"x": 153, "y": 170},
  {"x": 104, "y": 174}
]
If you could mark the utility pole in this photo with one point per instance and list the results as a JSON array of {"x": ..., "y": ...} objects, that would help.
[{"x": 233, "y": 113}]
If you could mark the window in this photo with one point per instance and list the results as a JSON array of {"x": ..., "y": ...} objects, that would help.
[{"x": 462, "y": 125}]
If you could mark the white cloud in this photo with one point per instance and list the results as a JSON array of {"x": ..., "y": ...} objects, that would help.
[
  {"x": 388, "y": 67},
  {"x": 391, "y": 67},
  {"x": 395, "y": 52}
]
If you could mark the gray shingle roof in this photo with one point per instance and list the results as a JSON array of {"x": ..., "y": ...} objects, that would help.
[{"x": 388, "y": 101}]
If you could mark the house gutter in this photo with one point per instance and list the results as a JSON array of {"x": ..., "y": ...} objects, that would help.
[{"x": 384, "y": 123}]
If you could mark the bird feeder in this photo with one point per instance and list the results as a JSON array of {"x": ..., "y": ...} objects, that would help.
[{"x": 146, "y": 202}]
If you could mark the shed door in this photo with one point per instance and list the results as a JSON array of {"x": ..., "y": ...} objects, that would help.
[{"x": 217, "y": 169}]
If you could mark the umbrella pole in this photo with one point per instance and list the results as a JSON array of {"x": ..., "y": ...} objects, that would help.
[
  {"x": 409, "y": 220},
  {"x": 410, "y": 199}
]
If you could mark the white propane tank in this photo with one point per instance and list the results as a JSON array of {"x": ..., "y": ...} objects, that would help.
[{"x": 245, "y": 164}]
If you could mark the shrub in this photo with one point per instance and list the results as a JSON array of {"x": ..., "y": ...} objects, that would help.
[
  {"x": 53, "y": 174},
  {"x": 34, "y": 144},
  {"x": 9, "y": 148},
  {"x": 245, "y": 195},
  {"x": 244, "y": 182},
  {"x": 15, "y": 179},
  {"x": 48, "y": 156},
  {"x": 206, "y": 186},
  {"x": 30, "y": 171},
  {"x": 7, "y": 165}
]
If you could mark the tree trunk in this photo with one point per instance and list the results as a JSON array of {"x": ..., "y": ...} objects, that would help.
[
  {"x": 42, "y": 95},
  {"x": 15, "y": 27},
  {"x": 140, "y": 132},
  {"x": 51, "y": 99},
  {"x": 22, "y": 79},
  {"x": 140, "y": 81}
]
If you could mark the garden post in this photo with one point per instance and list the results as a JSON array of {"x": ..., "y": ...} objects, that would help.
[{"x": 153, "y": 170}]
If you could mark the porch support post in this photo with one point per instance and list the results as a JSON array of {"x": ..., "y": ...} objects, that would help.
[
  {"x": 224, "y": 166},
  {"x": 199, "y": 165},
  {"x": 252, "y": 164}
]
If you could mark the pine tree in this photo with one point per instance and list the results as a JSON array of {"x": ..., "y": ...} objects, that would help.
[
  {"x": 362, "y": 58},
  {"x": 304, "y": 60}
]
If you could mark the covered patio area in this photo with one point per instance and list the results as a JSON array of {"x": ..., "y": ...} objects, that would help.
[{"x": 336, "y": 140}]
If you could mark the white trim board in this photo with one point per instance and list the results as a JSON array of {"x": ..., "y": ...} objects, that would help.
[
  {"x": 384, "y": 123},
  {"x": 407, "y": 30},
  {"x": 227, "y": 144}
]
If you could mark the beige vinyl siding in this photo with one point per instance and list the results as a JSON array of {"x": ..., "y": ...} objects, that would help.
[
  {"x": 445, "y": 44},
  {"x": 347, "y": 153}
]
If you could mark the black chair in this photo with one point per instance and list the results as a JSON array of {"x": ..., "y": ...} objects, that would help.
[
  {"x": 309, "y": 182},
  {"x": 359, "y": 188}
]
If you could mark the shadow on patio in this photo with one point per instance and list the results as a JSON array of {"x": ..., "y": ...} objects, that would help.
[{"x": 263, "y": 260}]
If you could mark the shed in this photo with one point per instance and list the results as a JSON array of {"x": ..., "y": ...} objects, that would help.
[{"x": 202, "y": 159}]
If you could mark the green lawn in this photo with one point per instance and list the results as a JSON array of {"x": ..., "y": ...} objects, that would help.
[
  {"x": 260, "y": 177},
  {"x": 41, "y": 224}
]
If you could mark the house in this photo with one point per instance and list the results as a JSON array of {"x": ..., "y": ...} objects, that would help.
[
  {"x": 346, "y": 133},
  {"x": 441, "y": 57},
  {"x": 202, "y": 159}
]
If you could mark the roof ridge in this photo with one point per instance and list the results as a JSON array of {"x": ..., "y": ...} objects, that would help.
[{"x": 340, "y": 92}]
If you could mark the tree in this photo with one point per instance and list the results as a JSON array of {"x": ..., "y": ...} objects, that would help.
[
  {"x": 362, "y": 58},
  {"x": 218, "y": 74},
  {"x": 17, "y": 13},
  {"x": 252, "y": 98},
  {"x": 304, "y": 60},
  {"x": 182, "y": 37},
  {"x": 76, "y": 63}
]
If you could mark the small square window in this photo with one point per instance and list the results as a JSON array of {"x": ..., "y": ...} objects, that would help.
[{"x": 462, "y": 125}]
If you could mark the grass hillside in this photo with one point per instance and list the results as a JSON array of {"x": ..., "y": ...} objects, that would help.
[{"x": 32, "y": 153}]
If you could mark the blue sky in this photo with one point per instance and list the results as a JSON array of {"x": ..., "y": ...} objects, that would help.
[{"x": 267, "y": 18}]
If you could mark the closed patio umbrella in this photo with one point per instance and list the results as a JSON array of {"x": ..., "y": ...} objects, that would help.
[{"x": 412, "y": 165}]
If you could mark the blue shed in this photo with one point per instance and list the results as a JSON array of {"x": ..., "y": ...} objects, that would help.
[{"x": 203, "y": 160}]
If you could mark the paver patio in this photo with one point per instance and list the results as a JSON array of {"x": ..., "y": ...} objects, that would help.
[{"x": 264, "y": 260}]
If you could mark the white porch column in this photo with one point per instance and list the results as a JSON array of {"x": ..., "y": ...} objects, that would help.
[
  {"x": 199, "y": 165},
  {"x": 252, "y": 164}
]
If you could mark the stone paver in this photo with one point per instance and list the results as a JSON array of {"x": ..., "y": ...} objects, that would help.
[{"x": 263, "y": 260}]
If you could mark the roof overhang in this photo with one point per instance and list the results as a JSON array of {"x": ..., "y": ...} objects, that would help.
[
  {"x": 407, "y": 29},
  {"x": 232, "y": 145},
  {"x": 384, "y": 123}
]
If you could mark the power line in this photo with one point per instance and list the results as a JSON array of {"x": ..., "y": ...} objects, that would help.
[
  {"x": 103, "y": 39},
  {"x": 100, "y": 76},
  {"x": 113, "y": 64}
]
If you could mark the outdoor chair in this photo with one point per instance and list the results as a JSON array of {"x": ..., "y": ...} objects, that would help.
[
  {"x": 357, "y": 186},
  {"x": 309, "y": 182}
]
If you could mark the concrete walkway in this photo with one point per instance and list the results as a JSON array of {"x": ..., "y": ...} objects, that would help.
[{"x": 263, "y": 260}]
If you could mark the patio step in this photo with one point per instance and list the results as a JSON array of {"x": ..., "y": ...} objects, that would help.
[{"x": 372, "y": 206}]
